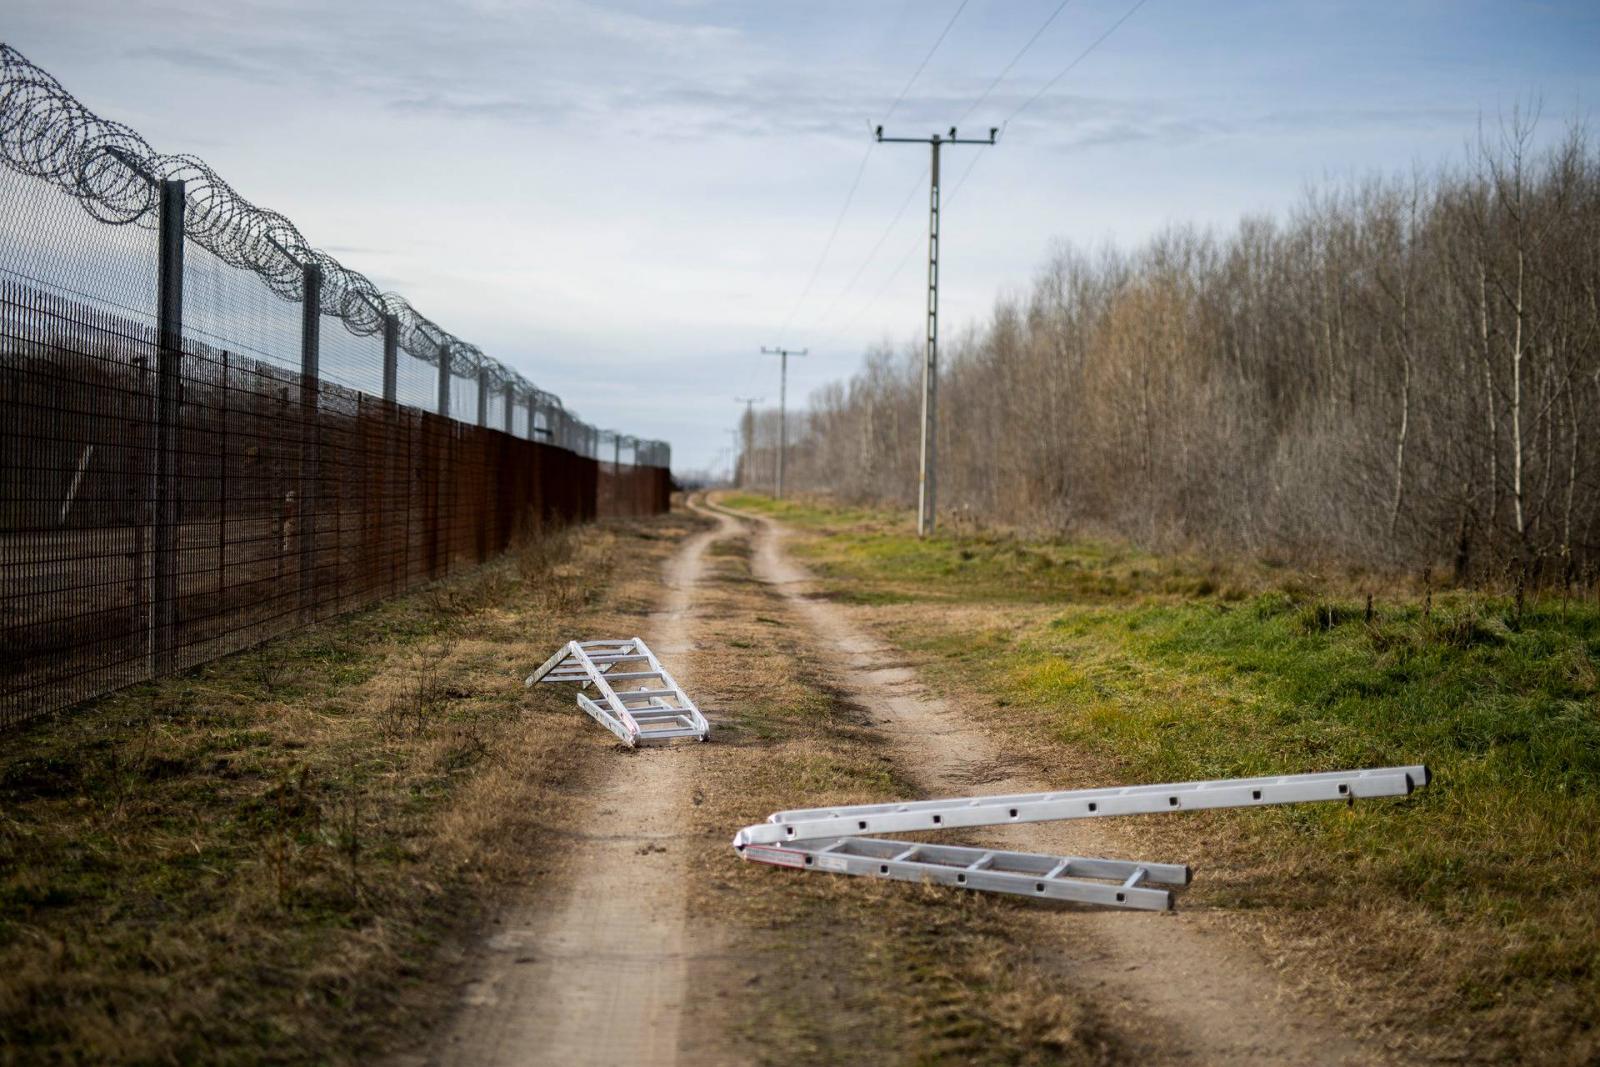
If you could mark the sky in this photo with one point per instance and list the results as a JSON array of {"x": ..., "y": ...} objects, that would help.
[{"x": 627, "y": 201}]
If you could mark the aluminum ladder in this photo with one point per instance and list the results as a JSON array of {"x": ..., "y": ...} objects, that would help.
[
  {"x": 824, "y": 839},
  {"x": 650, "y": 708}
]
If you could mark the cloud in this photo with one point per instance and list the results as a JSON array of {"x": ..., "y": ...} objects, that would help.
[
  {"x": 203, "y": 62},
  {"x": 732, "y": 105},
  {"x": 1343, "y": 120}
]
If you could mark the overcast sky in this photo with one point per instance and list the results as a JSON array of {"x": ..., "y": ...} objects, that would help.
[{"x": 625, "y": 201}]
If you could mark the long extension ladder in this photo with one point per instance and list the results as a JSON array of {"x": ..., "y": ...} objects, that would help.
[
  {"x": 641, "y": 703},
  {"x": 825, "y": 839}
]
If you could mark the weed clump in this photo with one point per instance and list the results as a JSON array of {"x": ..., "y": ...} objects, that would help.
[{"x": 1323, "y": 616}]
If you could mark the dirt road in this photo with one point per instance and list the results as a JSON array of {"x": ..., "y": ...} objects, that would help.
[
  {"x": 1202, "y": 998},
  {"x": 597, "y": 975},
  {"x": 596, "y": 970}
]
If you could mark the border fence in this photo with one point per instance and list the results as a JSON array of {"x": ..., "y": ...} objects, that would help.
[{"x": 212, "y": 433}]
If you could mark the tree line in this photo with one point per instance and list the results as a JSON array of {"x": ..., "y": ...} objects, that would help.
[{"x": 1403, "y": 372}]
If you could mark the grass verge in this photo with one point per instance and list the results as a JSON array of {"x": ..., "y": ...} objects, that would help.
[
  {"x": 269, "y": 858},
  {"x": 1464, "y": 921}
]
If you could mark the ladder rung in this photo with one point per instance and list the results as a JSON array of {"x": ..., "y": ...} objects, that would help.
[
  {"x": 677, "y": 731},
  {"x": 667, "y": 712},
  {"x": 1096, "y": 881}
]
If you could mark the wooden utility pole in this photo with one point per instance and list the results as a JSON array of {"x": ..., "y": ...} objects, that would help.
[
  {"x": 749, "y": 427},
  {"x": 927, "y": 466},
  {"x": 783, "y": 414}
]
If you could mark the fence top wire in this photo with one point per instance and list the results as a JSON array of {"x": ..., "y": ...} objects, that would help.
[{"x": 47, "y": 133}]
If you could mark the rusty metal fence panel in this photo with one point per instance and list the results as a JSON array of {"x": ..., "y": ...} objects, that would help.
[{"x": 173, "y": 486}]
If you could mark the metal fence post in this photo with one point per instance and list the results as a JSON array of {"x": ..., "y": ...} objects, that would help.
[
  {"x": 438, "y": 534},
  {"x": 169, "y": 395},
  {"x": 310, "y": 433},
  {"x": 511, "y": 409},
  {"x": 444, "y": 380},
  {"x": 483, "y": 395},
  {"x": 391, "y": 356}
]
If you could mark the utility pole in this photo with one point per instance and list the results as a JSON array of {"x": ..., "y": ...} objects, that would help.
[
  {"x": 749, "y": 425},
  {"x": 783, "y": 394},
  {"x": 930, "y": 367}
]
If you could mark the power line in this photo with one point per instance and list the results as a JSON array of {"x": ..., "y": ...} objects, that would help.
[
  {"x": 904, "y": 260},
  {"x": 1096, "y": 43},
  {"x": 1027, "y": 45},
  {"x": 872, "y": 301},
  {"x": 882, "y": 237},
  {"x": 918, "y": 72},
  {"x": 832, "y": 234},
  {"x": 1079, "y": 58},
  {"x": 963, "y": 180},
  {"x": 998, "y": 78},
  {"x": 862, "y": 169}
]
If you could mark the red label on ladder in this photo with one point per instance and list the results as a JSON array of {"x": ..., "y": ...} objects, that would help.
[{"x": 780, "y": 856}]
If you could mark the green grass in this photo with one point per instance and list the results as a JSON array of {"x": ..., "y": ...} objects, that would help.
[
  {"x": 1166, "y": 669},
  {"x": 883, "y": 561}
]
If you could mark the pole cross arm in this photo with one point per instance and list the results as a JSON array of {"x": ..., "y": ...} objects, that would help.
[{"x": 951, "y": 138}]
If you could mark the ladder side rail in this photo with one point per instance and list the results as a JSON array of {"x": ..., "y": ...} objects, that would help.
[
  {"x": 837, "y": 858},
  {"x": 1084, "y": 804},
  {"x": 1418, "y": 773},
  {"x": 604, "y": 718},
  {"x": 683, "y": 697},
  {"x": 549, "y": 665},
  {"x": 666, "y": 676},
  {"x": 617, "y": 707}
]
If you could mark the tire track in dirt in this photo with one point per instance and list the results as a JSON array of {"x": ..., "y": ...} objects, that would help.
[
  {"x": 1203, "y": 998},
  {"x": 593, "y": 970}
]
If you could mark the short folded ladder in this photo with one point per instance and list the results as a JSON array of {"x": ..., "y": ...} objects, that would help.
[{"x": 647, "y": 707}]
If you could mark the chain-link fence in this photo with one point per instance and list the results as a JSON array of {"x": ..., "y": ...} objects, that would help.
[{"x": 211, "y": 432}]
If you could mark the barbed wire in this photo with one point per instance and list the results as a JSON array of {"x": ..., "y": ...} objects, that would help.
[{"x": 47, "y": 133}]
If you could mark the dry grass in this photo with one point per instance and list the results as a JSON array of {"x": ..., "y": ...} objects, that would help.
[{"x": 272, "y": 858}]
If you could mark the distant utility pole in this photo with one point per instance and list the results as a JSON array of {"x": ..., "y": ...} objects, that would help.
[
  {"x": 733, "y": 450},
  {"x": 783, "y": 394},
  {"x": 930, "y": 366},
  {"x": 749, "y": 403}
]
